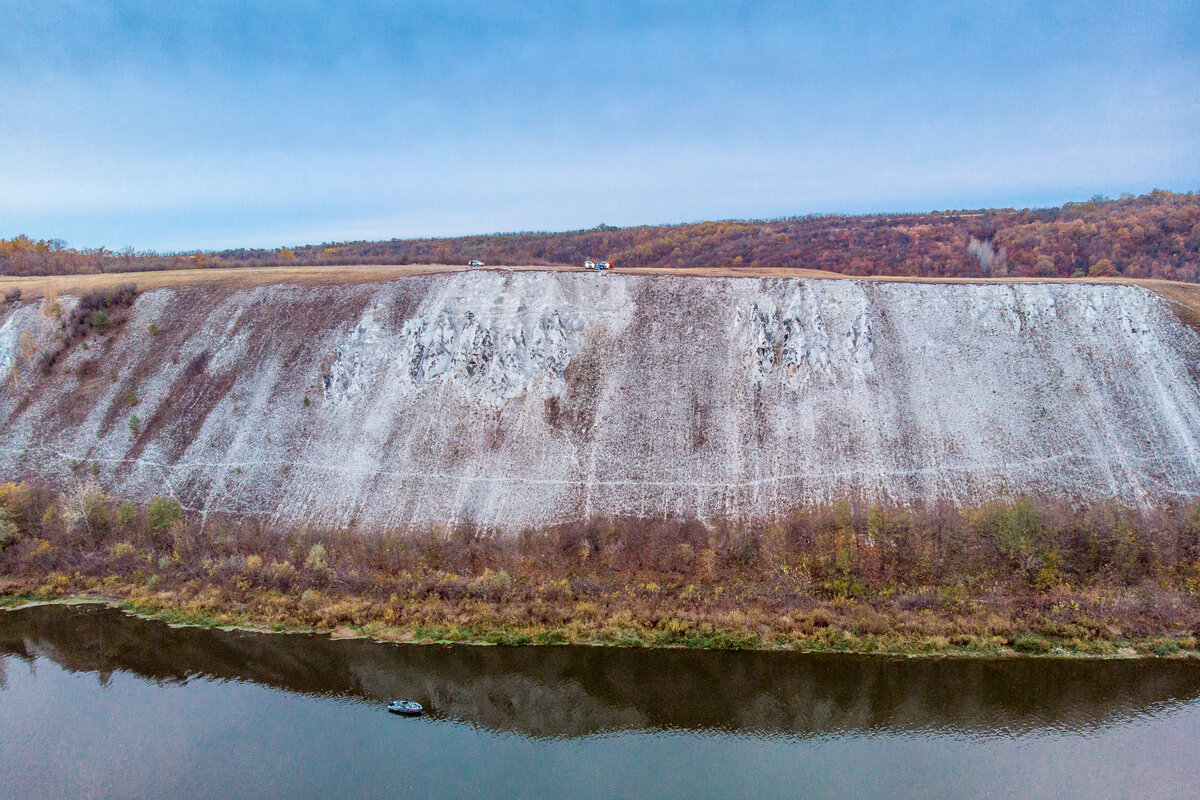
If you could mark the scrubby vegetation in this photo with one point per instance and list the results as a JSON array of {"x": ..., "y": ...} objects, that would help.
[
  {"x": 99, "y": 311},
  {"x": 1016, "y": 575},
  {"x": 1156, "y": 235}
]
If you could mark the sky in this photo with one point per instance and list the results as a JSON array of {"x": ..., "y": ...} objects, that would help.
[{"x": 214, "y": 125}]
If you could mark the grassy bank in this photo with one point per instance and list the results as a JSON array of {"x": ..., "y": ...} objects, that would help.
[
  {"x": 835, "y": 632},
  {"x": 1017, "y": 576}
]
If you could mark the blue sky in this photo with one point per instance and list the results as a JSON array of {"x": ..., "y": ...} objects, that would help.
[{"x": 216, "y": 125}]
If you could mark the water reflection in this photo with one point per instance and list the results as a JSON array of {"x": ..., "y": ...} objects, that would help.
[{"x": 577, "y": 691}]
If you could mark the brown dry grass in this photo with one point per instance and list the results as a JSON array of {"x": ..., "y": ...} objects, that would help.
[
  {"x": 36, "y": 287},
  {"x": 1184, "y": 298}
]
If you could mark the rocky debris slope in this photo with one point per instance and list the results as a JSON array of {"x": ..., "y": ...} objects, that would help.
[{"x": 522, "y": 399}]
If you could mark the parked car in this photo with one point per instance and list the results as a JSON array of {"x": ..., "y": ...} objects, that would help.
[{"x": 474, "y": 262}]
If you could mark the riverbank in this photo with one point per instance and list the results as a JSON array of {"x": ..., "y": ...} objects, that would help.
[
  {"x": 826, "y": 630},
  {"x": 1014, "y": 576}
]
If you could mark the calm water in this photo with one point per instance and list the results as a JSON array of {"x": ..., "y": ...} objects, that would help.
[{"x": 97, "y": 704}]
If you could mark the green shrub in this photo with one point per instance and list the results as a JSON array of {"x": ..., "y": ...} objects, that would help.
[
  {"x": 490, "y": 585},
  {"x": 746, "y": 554},
  {"x": 126, "y": 513},
  {"x": 1032, "y": 643},
  {"x": 162, "y": 513},
  {"x": 8, "y": 529},
  {"x": 135, "y": 424},
  {"x": 99, "y": 319},
  {"x": 1166, "y": 649},
  {"x": 316, "y": 558},
  {"x": 843, "y": 587},
  {"x": 123, "y": 550},
  {"x": 1013, "y": 528},
  {"x": 95, "y": 508}
]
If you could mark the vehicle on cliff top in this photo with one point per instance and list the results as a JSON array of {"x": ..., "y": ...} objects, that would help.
[
  {"x": 597, "y": 265},
  {"x": 474, "y": 262}
]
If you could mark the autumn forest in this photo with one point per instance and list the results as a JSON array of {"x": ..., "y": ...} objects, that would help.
[{"x": 1156, "y": 235}]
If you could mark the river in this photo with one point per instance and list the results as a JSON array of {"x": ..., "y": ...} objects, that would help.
[{"x": 95, "y": 703}]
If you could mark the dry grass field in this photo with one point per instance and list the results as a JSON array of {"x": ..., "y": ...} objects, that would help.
[
  {"x": 1183, "y": 297},
  {"x": 35, "y": 287}
]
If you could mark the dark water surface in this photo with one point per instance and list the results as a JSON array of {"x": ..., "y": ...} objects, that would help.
[{"x": 94, "y": 703}]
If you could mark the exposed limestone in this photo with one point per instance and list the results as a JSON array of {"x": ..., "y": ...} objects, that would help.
[
  {"x": 8, "y": 344},
  {"x": 523, "y": 399},
  {"x": 489, "y": 348},
  {"x": 795, "y": 336},
  {"x": 360, "y": 359}
]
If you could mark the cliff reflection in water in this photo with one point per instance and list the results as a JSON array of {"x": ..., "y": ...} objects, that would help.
[{"x": 578, "y": 691}]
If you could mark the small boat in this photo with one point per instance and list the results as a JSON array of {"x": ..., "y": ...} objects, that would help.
[{"x": 408, "y": 708}]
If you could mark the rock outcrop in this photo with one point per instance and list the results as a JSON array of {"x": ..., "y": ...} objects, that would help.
[{"x": 524, "y": 399}]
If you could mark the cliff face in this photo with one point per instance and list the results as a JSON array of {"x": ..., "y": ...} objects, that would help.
[{"x": 520, "y": 399}]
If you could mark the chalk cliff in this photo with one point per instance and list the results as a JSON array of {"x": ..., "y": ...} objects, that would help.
[{"x": 521, "y": 399}]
